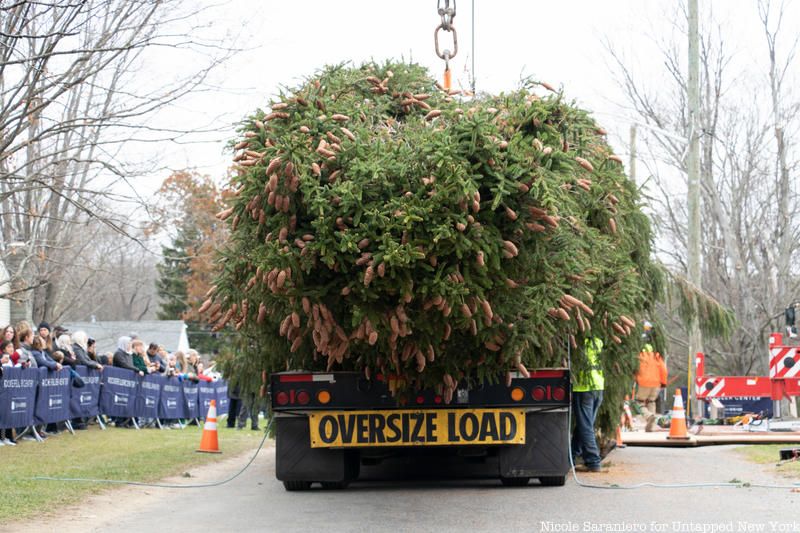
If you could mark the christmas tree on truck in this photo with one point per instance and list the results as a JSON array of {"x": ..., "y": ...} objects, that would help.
[{"x": 410, "y": 255}]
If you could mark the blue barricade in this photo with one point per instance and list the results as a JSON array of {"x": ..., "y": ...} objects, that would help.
[
  {"x": 17, "y": 397},
  {"x": 221, "y": 389},
  {"x": 148, "y": 395},
  {"x": 190, "y": 399},
  {"x": 52, "y": 396},
  {"x": 205, "y": 393},
  {"x": 171, "y": 401},
  {"x": 40, "y": 396},
  {"x": 84, "y": 402},
  {"x": 118, "y": 395}
]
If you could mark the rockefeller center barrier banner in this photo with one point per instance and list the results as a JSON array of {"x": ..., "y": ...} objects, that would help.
[
  {"x": 85, "y": 402},
  {"x": 39, "y": 396},
  {"x": 17, "y": 397},
  {"x": 52, "y": 396}
]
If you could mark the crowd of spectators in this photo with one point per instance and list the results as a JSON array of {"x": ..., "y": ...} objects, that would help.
[{"x": 57, "y": 348}]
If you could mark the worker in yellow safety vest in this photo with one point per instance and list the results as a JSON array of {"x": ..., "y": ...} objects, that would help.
[
  {"x": 650, "y": 377},
  {"x": 587, "y": 395}
]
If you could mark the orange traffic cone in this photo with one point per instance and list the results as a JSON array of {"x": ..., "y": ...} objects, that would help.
[
  {"x": 677, "y": 426},
  {"x": 208, "y": 442}
]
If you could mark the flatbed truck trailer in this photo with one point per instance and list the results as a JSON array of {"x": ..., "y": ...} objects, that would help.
[{"x": 330, "y": 424}]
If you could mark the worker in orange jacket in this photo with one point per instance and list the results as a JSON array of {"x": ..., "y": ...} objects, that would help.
[{"x": 650, "y": 378}]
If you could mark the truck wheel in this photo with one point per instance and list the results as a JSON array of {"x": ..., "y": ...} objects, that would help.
[
  {"x": 553, "y": 481},
  {"x": 514, "y": 481},
  {"x": 335, "y": 485},
  {"x": 296, "y": 485}
]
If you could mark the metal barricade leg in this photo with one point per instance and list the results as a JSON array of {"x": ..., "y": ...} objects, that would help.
[{"x": 35, "y": 433}]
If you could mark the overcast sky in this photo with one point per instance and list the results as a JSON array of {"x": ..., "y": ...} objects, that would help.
[{"x": 560, "y": 42}]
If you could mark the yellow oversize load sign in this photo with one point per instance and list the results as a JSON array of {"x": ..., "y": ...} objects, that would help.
[{"x": 344, "y": 429}]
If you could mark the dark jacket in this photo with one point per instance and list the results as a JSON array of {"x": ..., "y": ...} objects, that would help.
[
  {"x": 69, "y": 359},
  {"x": 44, "y": 360},
  {"x": 122, "y": 359},
  {"x": 159, "y": 362},
  {"x": 83, "y": 358}
]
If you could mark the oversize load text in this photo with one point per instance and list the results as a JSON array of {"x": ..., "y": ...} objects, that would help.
[{"x": 426, "y": 428}]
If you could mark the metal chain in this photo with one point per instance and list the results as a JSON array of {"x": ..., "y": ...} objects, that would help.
[{"x": 447, "y": 15}]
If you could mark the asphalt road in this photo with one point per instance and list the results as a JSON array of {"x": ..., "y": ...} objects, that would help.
[{"x": 256, "y": 501}]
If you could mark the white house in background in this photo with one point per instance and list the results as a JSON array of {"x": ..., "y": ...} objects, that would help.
[
  {"x": 5, "y": 305},
  {"x": 169, "y": 333}
]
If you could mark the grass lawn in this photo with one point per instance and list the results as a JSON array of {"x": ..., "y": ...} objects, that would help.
[
  {"x": 144, "y": 455},
  {"x": 770, "y": 454}
]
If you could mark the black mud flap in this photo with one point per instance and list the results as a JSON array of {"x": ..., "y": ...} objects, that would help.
[
  {"x": 296, "y": 460},
  {"x": 545, "y": 453}
]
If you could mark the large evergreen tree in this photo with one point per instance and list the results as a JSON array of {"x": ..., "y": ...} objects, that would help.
[
  {"x": 174, "y": 271},
  {"x": 189, "y": 202}
]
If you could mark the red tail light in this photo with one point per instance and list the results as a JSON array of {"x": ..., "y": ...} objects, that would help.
[
  {"x": 559, "y": 393},
  {"x": 303, "y": 397},
  {"x": 281, "y": 398},
  {"x": 538, "y": 393}
]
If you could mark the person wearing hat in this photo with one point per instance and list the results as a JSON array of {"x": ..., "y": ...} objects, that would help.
[
  {"x": 44, "y": 333},
  {"x": 650, "y": 378}
]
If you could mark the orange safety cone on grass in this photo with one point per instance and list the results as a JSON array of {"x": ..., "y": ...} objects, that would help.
[
  {"x": 209, "y": 442},
  {"x": 677, "y": 425}
]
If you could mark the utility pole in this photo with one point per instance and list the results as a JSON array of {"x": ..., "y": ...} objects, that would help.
[
  {"x": 632, "y": 162},
  {"x": 693, "y": 253}
]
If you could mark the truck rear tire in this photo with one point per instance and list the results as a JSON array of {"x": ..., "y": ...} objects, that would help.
[
  {"x": 553, "y": 481},
  {"x": 514, "y": 481},
  {"x": 294, "y": 485}
]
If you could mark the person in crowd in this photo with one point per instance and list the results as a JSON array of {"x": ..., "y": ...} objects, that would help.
[
  {"x": 58, "y": 331},
  {"x": 63, "y": 343},
  {"x": 106, "y": 359},
  {"x": 80, "y": 347},
  {"x": 155, "y": 358},
  {"x": 200, "y": 373},
  {"x": 180, "y": 362},
  {"x": 172, "y": 366},
  {"x": 91, "y": 349},
  {"x": 10, "y": 334},
  {"x": 43, "y": 357},
  {"x": 53, "y": 361},
  {"x": 122, "y": 357},
  {"x": 6, "y": 351},
  {"x": 26, "y": 357},
  {"x": 140, "y": 360},
  {"x": 192, "y": 358},
  {"x": 44, "y": 333}
]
